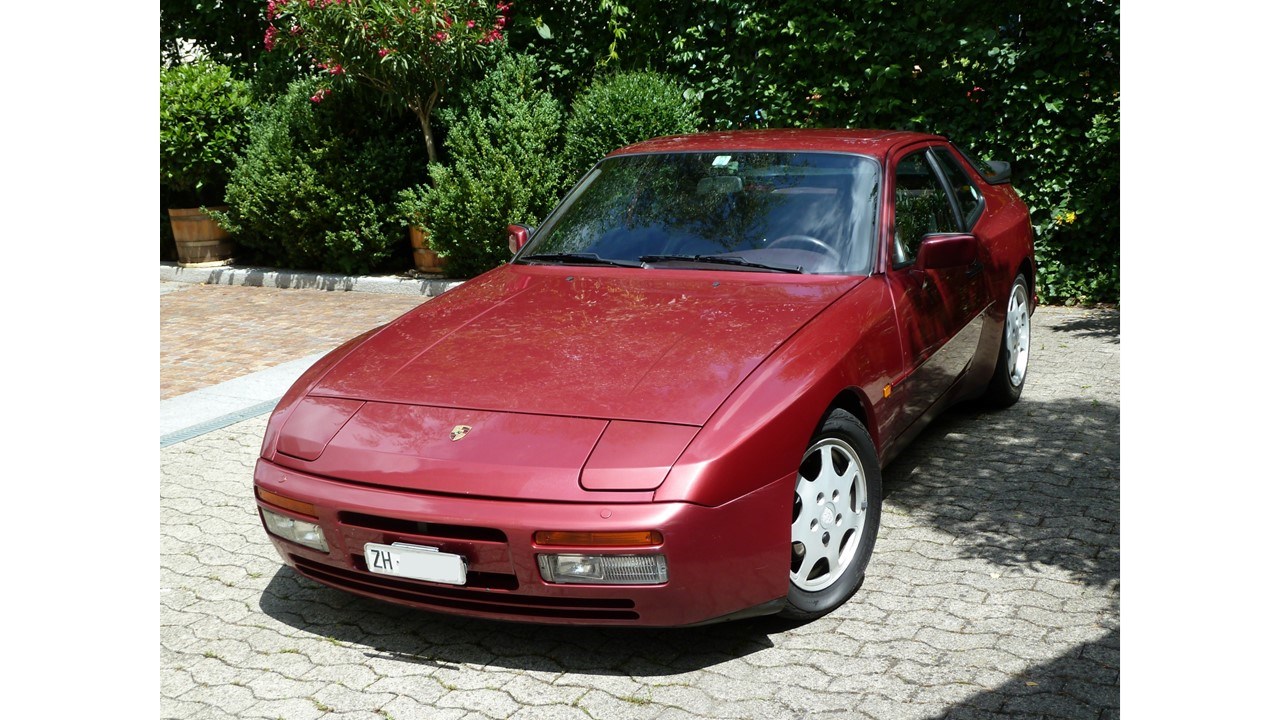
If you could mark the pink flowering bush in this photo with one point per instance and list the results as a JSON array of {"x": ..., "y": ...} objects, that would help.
[{"x": 408, "y": 49}]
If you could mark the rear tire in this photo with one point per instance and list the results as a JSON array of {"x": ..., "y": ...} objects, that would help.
[
  {"x": 1015, "y": 349},
  {"x": 835, "y": 517}
]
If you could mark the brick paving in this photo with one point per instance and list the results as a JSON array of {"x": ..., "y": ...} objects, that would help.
[
  {"x": 993, "y": 593},
  {"x": 213, "y": 333}
]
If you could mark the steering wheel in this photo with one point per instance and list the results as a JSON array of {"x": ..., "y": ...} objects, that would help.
[{"x": 803, "y": 241}]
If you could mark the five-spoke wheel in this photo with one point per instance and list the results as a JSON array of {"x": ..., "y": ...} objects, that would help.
[{"x": 834, "y": 517}]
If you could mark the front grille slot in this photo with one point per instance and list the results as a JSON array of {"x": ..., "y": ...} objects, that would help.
[
  {"x": 411, "y": 527},
  {"x": 467, "y": 599}
]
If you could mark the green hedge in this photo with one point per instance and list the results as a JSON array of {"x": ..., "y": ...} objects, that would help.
[
  {"x": 316, "y": 187},
  {"x": 1034, "y": 82}
]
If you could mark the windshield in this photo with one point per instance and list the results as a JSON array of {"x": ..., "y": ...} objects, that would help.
[{"x": 757, "y": 211}]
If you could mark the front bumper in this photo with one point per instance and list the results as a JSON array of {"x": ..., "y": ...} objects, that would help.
[{"x": 726, "y": 561}]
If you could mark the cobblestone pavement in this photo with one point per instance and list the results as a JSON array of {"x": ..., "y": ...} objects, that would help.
[
  {"x": 993, "y": 592},
  {"x": 213, "y": 333}
]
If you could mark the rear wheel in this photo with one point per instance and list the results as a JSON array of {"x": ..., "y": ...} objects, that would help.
[
  {"x": 1015, "y": 349},
  {"x": 834, "y": 518}
]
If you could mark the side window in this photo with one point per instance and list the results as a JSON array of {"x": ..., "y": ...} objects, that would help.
[
  {"x": 920, "y": 207},
  {"x": 967, "y": 195}
]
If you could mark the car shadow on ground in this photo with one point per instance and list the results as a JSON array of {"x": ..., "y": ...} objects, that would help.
[
  {"x": 1034, "y": 485},
  {"x": 1035, "y": 491},
  {"x": 1097, "y": 323},
  {"x": 393, "y": 632},
  {"x": 1081, "y": 683}
]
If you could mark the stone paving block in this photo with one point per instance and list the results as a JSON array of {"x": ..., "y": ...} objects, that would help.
[
  {"x": 1026, "y": 648},
  {"x": 182, "y": 709},
  {"x": 225, "y": 698},
  {"x": 291, "y": 709},
  {"x": 991, "y": 659},
  {"x": 287, "y": 660},
  {"x": 692, "y": 699},
  {"x": 526, "y": 690},
  {"x": 1004, "y": 626},
  {"x": 599, "y": 704},
  {"x": 947, "y": 695},
  {"x": 894, "y": 597},
  {"x": 212, "y": 670},
  {"x": 340, "y": 699},
  {"x": 354, "y": 676},
  {"x": 174, "y": 679},
  {"x": 425, "y": 690},
  {"x": 833, "y": 666},
  {"x": 493, "y": 703},
  {"x": 1051, "y": 705},
  {"x": 726, "y": 690},
  {"x": 1078, "y": 634},
  {"x": 948, "y": 674},
  {"x": 408, "y": 708},
  {"x": 869, "y": 634},
  {"x": 469, "y": 678},
  {"x": 764, "y": 709},
  {"x": 833, "y": 644},
  {"x": 551, "y": 713},
  {"x": 271, "y": 685},
  {"x": 886, "y": 685}
]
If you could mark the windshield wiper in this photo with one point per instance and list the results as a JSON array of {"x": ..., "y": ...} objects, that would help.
[
  {"x": 578, "y": 259},
  {"x": 721, "y": 260}
]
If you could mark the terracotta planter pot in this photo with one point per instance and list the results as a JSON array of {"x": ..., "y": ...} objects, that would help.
[
  {"x": 201, "y": 241},
  {"x": 424, "y": 258}
]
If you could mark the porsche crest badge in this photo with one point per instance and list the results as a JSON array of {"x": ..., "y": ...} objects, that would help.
[{"x": 459, "y": 432}]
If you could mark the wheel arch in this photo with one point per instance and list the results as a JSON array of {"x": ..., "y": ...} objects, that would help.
[
  {"x": 1028, "y": 271},
  {"x": 852, "y": 401}
]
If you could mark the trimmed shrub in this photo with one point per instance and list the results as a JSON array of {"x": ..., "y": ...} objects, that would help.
[
  {"x": 504, "y": 169},
  {"x": 622, "y": 109},
  {"x": 316, "y": 186},
  {"x": 202, "y": 129}
]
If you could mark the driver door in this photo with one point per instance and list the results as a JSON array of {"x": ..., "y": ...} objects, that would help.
[{"x": 938, "y": 310}]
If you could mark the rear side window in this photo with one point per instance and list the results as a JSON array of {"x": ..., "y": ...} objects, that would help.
[
  {"x": 967, "y": 196},
  {"x": 920, "y": 207}
]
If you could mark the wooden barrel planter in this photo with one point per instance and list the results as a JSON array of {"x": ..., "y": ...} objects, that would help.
[
  {"x": 201, "y": 241},
  {"x": 424, "y": 258}
]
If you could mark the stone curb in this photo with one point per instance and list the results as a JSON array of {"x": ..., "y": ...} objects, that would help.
[
  {"x": 272, "y": 278},
  {"x": 217, "y": 406}
]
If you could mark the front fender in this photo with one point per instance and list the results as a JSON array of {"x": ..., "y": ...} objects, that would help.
[{"x": 761, "y": 430}]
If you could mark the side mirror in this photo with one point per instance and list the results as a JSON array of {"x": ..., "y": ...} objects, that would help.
[
  {"x": 998, "y": 172},
  {"x": 517, "y": 236},
  {"x": 949, "y": 250}
]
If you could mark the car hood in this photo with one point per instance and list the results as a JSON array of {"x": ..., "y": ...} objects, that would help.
[{"x": 665, "y": 346}]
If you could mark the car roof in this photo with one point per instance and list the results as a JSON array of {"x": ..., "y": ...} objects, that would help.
[{"x": 875, "y": 143}]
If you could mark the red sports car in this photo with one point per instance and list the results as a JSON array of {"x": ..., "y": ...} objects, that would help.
[{"x": 672, "y": 406}]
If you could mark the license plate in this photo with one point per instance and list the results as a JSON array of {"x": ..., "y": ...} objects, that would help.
[{"x": 417, "y": 562}]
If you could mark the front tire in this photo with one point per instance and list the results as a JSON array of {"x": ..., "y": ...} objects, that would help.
[
  {"x": 1015, "y": 349},
  {"x": 835, "y": 517}
]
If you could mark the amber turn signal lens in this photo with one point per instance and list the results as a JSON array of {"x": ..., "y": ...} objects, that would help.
[
  {"x": 598, "y": 539},
  {"x": 302, "y": 508}
]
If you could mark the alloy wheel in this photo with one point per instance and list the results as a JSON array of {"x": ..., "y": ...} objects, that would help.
[{"x": 829, "y": 513}]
